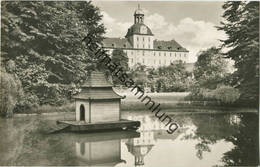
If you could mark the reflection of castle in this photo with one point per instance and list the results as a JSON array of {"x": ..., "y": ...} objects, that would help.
[
  {"x": 148, "y": 123},
  {"x": 140, "y": 147},
  {"x": 150, "y": 130},
  {"x": 102, "y": 149}
]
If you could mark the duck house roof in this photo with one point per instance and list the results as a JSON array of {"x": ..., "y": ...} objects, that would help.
[{"x": 97, "y": 87}]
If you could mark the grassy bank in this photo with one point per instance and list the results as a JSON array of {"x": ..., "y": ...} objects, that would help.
[
  {"x": 69, "y": 107},
  {"x": 169, "y": 102}
]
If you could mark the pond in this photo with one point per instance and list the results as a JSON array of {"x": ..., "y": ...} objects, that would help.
[{"x": 202, "y": 140}]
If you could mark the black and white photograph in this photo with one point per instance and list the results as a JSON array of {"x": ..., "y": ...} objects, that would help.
[{"x": 119, "y": 83}]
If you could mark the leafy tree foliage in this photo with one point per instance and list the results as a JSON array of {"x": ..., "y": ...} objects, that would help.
[
  {"x": 173, "y": 78},
  {"x": 11, "y": 93},
  {"x": 212, "y": 81},
  {"x": 242, "y": 27},
  {"x": 210, "y": 68},
  {"x": 139, "y": 75},
  {"x": 44, "y": 40},
  {"x": 120, "y": 58}
]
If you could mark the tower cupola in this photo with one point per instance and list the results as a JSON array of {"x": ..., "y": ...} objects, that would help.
[{"x": 139, "y": 15}]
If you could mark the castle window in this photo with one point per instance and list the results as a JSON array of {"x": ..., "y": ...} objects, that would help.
[
  {"x": 154, "y": 53},
  {"x": 137, "y": 38},
  {"x": 170, "y": 54},
  {"x": 137, "y": 46},
  {"x": 175, "y": 54},
  {"x": 113, "y": 45},
  {"x": 82, "y": 148},
  {"x": 149, "y": 46},
  {"x": 149, "y": 39},
  {"x": 143, "y": 38},
  {"x": 143, "y": 53},
  {"x": 143, "y": 60},
  {"x": 164, "y": 53},
  {"x": 169, "y": 47},
  {"x": 143, "y": 45},
  {"x": 132, "y": 60},
  {"x": 159, "y": 47},
  {"x": 132, "y": 52},
  {"x": 159, "y": 53},
  {"x": 124, "y": 45}
]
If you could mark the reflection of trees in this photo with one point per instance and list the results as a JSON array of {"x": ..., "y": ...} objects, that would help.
[
  {"x": 202, "y": 147},
  {"x": 210, "y": 129},
  {"x": 246, "y": 143}
]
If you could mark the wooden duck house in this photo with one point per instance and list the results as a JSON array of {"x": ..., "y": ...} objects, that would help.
[
  {"x": 97, "y": 107},
  {"x": 97, "y": 102}
]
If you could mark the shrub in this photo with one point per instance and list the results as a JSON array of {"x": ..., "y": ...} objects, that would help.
[
  {"x": 226, "y": 94},
  {"x": 27, "y": 103},
  {"x": 223, "y": 94}
]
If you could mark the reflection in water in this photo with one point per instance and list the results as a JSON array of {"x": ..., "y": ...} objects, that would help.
[
  {"x": 239, "y": 129},
  {"x": 102, "y": 149},
  {"x": 150, "y": 130},
  {"x": 201, "y": 140},
  {"x": 246, "y": 143},
  {"x": 103, "y": 152},
  {"x": 139, "y": 147}
]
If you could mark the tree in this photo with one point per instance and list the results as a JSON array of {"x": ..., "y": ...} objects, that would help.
[
  {"x": 120, "y": 58},
  {"x": 242, "y": 27},
  {"x": 44, "y": 39},
  {"x": 212, "y": 78},
  {"x": 173, "y": 78},
  {"x": 210, "y": 68},
  {"x": 11, "y": 93}
]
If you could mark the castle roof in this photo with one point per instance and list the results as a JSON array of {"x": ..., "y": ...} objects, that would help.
[
  {"x": 117, "y": 43},
  {"x": 136, "y": 29},
  {"x": 139, "y": 11},
  {"x": 123, "y": 43},
  {"x": 171, "y": 45}
]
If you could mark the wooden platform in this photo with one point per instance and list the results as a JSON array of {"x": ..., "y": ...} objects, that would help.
[{"x": 80, "y": 126}]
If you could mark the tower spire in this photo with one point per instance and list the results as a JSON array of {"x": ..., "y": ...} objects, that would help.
[{"x": 139, "y": 15}]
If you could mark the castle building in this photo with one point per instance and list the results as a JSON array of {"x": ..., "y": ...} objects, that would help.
[{"x": 141, "y": 46}]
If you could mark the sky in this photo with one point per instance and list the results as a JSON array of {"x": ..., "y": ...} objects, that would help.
[{"x": 192, "y": 24}]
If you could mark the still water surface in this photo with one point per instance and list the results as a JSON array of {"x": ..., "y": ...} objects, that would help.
[{"x": 202, "y": 140}]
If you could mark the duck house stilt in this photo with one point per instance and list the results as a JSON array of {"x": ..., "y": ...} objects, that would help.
[{"x": 98, "y": 107}]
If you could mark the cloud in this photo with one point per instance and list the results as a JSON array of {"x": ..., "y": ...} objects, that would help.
[
  {"x": 195, "y": 35},
  {"x": 115, "y": 28}
]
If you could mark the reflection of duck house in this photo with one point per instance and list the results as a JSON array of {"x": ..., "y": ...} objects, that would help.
[
  {"x": 98, "y": 107},
  {"x": 103, "y": 149}
]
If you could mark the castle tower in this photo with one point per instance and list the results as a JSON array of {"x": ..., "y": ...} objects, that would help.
[
  {"x": 139, "y": 15},
  {"x": 139, "y": 34}
]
